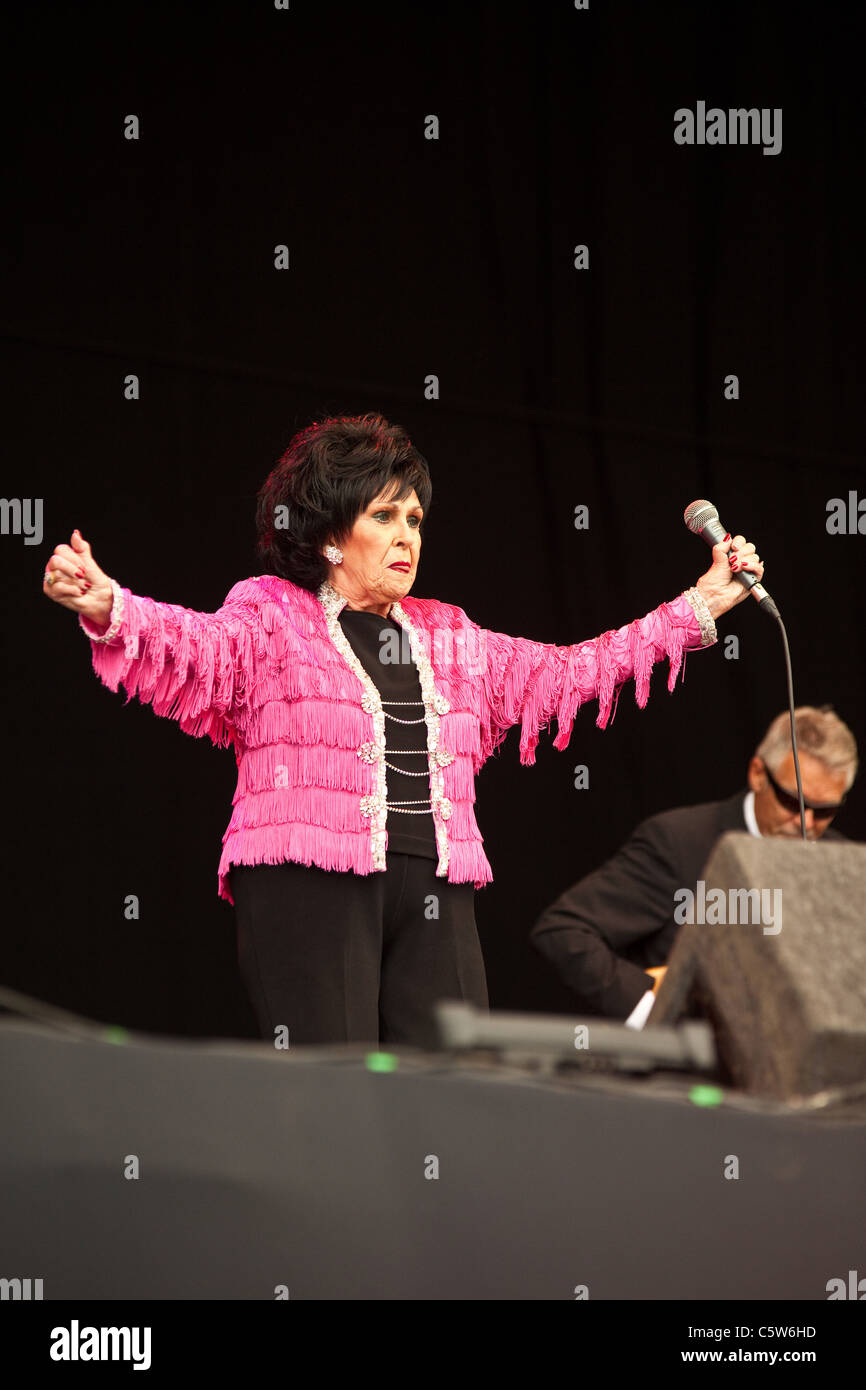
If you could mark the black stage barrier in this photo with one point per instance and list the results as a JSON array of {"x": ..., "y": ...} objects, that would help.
[{"x": 336, "y": 1173}]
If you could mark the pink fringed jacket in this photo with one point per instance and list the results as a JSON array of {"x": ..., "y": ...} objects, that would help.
[{"x": 273, "y": 673}]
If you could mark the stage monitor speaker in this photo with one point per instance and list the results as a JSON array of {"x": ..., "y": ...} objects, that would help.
[{"x": 772, "y": 951}]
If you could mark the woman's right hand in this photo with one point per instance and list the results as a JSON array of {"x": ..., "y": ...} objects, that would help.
[{"x": 78, "y": 582}]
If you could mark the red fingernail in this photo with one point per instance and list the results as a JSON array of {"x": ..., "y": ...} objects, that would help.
[
  {"x": 728, "y": 536},
  {"x": 79, "y": 574}
]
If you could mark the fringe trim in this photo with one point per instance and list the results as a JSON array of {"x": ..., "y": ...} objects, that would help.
[
  {"x": 282, "y": 766},
  {"x": 195, "y": 668},
  {"x": 299, "y": 844},
  {"x": 314, "y": 845},
  {"x": 310, "y": 722},
  {"x": 535, "y": 682}
]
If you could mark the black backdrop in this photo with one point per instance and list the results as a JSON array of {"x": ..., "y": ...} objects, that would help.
[{"x": 559, "y": 387}]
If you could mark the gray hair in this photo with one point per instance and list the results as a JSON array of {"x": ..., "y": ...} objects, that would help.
[{"x": 820, "y": 732}]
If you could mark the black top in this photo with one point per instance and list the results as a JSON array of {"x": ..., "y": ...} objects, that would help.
[{"x": 382, "y": 647}]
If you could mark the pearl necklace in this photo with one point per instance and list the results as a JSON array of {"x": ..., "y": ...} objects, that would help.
[{"x": 407, "y": 752}]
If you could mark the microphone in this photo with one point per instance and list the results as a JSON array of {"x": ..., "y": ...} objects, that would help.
[{"x": 702, "y": 519}]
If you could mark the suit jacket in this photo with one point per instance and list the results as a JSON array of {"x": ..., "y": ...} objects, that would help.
[{"x": 603, "y": 932}]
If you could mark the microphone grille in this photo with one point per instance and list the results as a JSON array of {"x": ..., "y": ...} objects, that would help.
[{"x": 698, "y": 514}]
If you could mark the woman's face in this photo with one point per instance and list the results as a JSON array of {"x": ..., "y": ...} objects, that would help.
[{"x": 380, "y": 557}]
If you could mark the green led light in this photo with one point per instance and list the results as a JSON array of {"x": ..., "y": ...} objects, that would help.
[
  {"x": 706, "y": 1095},
  {"x": 381, "y": 1061},
  {"x": 115, "y": 1035}
]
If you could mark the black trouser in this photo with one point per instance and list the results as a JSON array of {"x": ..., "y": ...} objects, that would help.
[{"x": 344, "y": 957}]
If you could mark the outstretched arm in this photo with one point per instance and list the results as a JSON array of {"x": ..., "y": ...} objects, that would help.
[
  {"x": 189, "y": 666},
  {"x": 529, "y": 683}
]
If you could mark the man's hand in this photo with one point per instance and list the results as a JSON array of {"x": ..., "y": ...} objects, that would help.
[{"x": 658, "y": 974}]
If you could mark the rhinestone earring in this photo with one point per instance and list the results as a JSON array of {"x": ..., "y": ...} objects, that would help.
[{"x": 334, "y": 554}]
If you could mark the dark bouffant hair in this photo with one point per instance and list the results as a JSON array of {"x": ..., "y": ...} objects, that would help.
[{"x": 329, "y": 474}]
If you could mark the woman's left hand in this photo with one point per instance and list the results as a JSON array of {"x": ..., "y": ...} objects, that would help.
[{"x": 718, "y": 587}]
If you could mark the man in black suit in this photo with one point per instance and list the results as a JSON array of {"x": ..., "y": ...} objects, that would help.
[{"x": 609, "y": 935}]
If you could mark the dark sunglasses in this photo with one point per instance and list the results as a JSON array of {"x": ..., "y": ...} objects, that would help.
[{"x": 792, "y": 803}]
